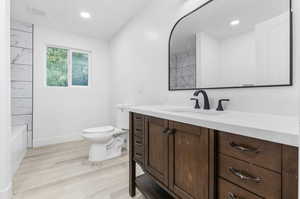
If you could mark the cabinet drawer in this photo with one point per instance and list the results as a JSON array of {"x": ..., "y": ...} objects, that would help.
[
  {"x": 139, "y": 155},
  {"x": 138, "y": 132},
  {"x": 138, "y": 142},
  {"x": 261, "y": 181},
  {"x": 289, "y": 172},
  {"x": 227, "y": 190},
  {"x": 258, "y": 152},
  {"x": 138, "y": 149},
  {"x": 138, "y": 121}
]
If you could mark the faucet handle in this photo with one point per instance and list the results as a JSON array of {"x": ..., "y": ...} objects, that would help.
[
  {"x": 197, "y": 105},
  {"x": 220, "y": 107}
]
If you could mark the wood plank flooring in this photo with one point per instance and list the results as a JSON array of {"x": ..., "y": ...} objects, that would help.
[{"x": 63, "y": 172}]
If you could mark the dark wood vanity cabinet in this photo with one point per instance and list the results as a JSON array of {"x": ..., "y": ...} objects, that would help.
[
  {"x": 266, "y": 169},
  {"x": 183, "y": 161},
  {"x": 188, "y": 161},
  {"x": 156, "y": 148},
  {"x": 172, "y": 157},
  {"x": 289, "y": 172}
]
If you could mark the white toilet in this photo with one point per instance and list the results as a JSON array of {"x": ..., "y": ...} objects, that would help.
[{"x": 107, "y": 141}]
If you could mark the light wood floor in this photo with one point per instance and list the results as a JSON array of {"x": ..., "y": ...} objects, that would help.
[{"x": 63, "y": 172}]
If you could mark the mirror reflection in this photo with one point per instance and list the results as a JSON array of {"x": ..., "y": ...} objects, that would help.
[{"x": 232, "y": 43}]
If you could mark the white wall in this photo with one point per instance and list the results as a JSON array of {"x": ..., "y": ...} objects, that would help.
[
  {"x": 226, "y": 62},
  {"x": 238, "y": 61},
  {"x": 5, "y": 116},
  {"x": 272, "y": 40},
  {"x": 140, "y": 64},
  {"x": 60, "y": 114},
  {"x": 256, "y": 57},
  {"x": 208, "y": 61}
]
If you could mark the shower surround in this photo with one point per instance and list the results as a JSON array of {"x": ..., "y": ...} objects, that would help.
[{"x": 21, "y": 75}]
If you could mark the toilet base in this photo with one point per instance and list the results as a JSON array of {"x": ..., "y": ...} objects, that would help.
[
  {"x": 97, "y": 152},
  {"x": 100, "y": 152}
]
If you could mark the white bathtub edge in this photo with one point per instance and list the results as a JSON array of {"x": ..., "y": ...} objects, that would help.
[
  {"x": 6, "y": 193},
  {"x": 18, "y": 146}
]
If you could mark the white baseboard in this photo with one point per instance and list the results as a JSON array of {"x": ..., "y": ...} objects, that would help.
[
  {"x": 6, "y": 193},
  {"x": 56, "y": 140}
]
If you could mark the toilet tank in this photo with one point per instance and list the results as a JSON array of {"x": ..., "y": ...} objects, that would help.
[{"x": 122, "y": 117}]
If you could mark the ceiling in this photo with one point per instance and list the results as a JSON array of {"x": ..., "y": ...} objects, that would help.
[{"x": 108, "y": 16}]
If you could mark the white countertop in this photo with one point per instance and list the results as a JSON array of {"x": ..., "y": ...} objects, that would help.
[{"x": 274, "y": 128}]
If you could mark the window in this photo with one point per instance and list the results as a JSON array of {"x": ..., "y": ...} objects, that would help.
[
  {"x": 80, "y": 69},
  {"x": 57, "y": 67},
  {"x": 67, "y": 67}
]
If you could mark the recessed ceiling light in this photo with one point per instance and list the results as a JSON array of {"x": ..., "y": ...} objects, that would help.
[
  {"x": 235, "y": 22},
  {"x": 85, "y": 15}
]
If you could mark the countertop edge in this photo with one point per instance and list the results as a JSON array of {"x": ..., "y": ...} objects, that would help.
[{"x": 263, "y": 134}]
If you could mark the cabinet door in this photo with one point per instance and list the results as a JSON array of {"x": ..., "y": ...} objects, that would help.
[
  {"x": 189, "y": 161},
  {"x": 289, "y": 172},
  {"x": 156, "y": 146}
]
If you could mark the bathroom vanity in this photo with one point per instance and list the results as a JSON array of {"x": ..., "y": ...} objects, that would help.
[
  {"x": 189, "y": 154},
  {"x": 206, "y": 154}
]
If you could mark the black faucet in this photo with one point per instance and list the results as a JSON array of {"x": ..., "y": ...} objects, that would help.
[
  {"x": 220, "y": 107},
  {"x": 206, "y": 101},
  {"x": 197, "y": 105}
]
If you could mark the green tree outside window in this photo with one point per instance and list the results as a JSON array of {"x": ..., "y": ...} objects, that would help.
[
  {"x": 80, "y": 69},
  {"x": 58, "y": 68}
]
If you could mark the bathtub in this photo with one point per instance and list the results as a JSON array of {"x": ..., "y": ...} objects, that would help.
[{"x": 18, "y": 146}]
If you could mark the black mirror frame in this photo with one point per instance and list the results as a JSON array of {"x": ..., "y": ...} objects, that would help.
[{"x": 258, "y": 86}]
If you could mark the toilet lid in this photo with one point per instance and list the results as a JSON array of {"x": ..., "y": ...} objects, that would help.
[{"x": 102, "y": 129}]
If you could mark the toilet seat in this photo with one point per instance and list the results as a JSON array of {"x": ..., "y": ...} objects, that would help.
[{"x": 99, "y": 130}]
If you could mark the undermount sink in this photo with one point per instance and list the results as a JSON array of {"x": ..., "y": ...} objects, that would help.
[{"x": 193, "y": 111}]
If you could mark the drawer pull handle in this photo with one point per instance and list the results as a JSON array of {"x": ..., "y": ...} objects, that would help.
[
  {"x": 138, "y": 130},
  {"x": 138, "y": 155},
  {"x": 244, "y": 176},
  {"x": 139, "y": 143},
  {"x": 243, "y": 148},
  {"x": 165, "y": 130},
  {"x": 232, "y": 196},
  {"x": 171, "y": 132},
  {"x": 138, "y": 118}
]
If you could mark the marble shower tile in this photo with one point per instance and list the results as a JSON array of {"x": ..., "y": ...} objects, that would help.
[
  {"x": 173, "y": 61},
  {"x": 21, "y": 72},
  {"x": 21, "y": 106},
  {"x": 21, "y": 56},
  {"x": 190, "y": 60},
  {"x": 173, "y": 83},
  {"x": 185, "y": 70},
  {"x": 185, "y": 77},
  {"x": 21, "y": 39},
  {"x": 22, "y": 119},
  {"x": 21, "y": 89},
  {"x": 18, "y": 25}
]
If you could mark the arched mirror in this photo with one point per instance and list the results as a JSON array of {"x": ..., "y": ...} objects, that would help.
[{"x": 232, "y": 44}]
